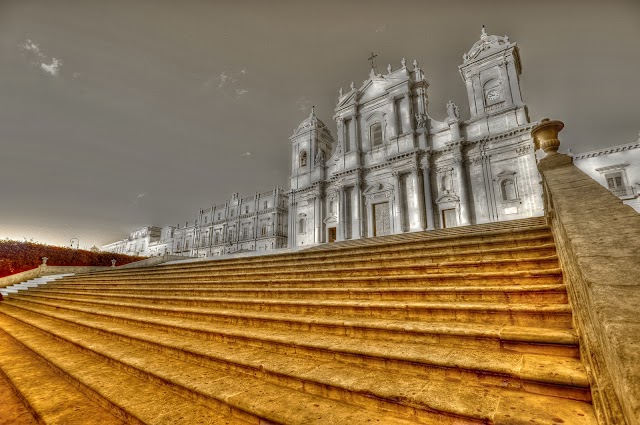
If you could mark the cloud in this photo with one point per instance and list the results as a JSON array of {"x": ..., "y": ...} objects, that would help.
[
  {"x": 53, "y": 68},
  {"x": 381, "y": 28},
  {"x": 30, "y": 46},
  {"x": 303, "y": 103},
  {"x": 141, "y": 195},
  {"x": 48, "y": 65},
  {"x": 227, "y": 81},
  {"x": 246, "y": 154}
]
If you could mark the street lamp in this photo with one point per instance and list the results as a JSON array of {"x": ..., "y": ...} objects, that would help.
[{"x": 77, "y": 242}]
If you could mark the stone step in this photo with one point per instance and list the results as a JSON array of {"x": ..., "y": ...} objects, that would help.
[
  {"x": 371, "y": 270},
  {"x": 374, "y": 391},
  {"x": 42, "y": 396},
  {"x": 454, "y": 247},
  {"x": 534, "y": 340},
  {"x": 539, "y": 315},
  {"x": 196, "y": 391},
  {"x": 523, "y": 294},
  {"x": 529, "y": 372},
  {"x": 534, "y": 277}
]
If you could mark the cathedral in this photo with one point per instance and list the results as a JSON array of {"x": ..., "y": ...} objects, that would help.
[
  {"x": 395, "y": 168},
  {"x": 392, "y": 168}
]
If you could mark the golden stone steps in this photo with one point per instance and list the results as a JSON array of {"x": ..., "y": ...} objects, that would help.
[
  {"x": 505, "y": 366},
  {"x": 539, "y": 315},
  {"x": 190, "y": 369},
  {"x": 519, "y": 294},
  {"x": 466, "y": 325},
  {"x": 473, "y": 248},
  {"x": 561, "y": 342},
  {"x": 174, "y": 390}
]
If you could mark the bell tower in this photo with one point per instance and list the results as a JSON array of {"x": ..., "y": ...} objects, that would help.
[
  {"x": 491, "y": 71},
  {"x": 311, "y": 145}
]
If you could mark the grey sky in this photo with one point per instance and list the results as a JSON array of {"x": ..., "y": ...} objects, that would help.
[{"x": 119, "y": 114}]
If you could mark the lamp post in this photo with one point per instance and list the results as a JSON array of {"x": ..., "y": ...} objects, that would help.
[{"x": 77, "y": 242}]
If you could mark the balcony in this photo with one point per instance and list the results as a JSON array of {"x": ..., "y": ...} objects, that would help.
[{"x": 622, "y": 191}]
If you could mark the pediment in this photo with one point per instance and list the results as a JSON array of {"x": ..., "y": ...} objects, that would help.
[
  {"x": 447, "y": 197},
  {"x": 377, "y": 187}
]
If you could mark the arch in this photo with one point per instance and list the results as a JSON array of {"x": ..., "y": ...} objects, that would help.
[
  {"x": 375, "y": 134},
  {"x": 303, "y": 158}
]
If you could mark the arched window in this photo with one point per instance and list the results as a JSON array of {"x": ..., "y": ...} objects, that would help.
[
  {"x": 375, "y": 133},
  {"x": 303, "y": 159},
  {"x": 446, "y": 183},
  {"x": 508, "y": 188},
  {"x": 302, "y": 225},
  {"x": 331, "y": 207}
]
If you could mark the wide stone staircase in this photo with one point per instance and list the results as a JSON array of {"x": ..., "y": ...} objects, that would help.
[{"x": 469, "y": 325}]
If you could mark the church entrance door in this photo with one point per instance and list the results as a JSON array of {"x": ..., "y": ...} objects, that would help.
[
  {"x": 449, "y": 218},
  {"x": 381, "y": 219},
  {"x": 332, "y": 234}
]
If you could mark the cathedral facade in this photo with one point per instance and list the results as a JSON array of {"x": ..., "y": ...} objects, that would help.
[{"x": 395, "y": 168}]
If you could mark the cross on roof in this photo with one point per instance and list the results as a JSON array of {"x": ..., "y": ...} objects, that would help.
[{"x": 372, "y": 60}]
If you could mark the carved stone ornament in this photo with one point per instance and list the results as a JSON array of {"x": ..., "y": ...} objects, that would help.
[
  {"x": 486, "y": 42},
  {"x": 319, "y": 159},
  {"x": 523, "y": 150},
  {"x": 453, "y": 112},
  {"x": 421, "y": 120}
]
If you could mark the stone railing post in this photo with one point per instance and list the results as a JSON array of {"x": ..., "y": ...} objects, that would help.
[{"x": 113, "y": 263}]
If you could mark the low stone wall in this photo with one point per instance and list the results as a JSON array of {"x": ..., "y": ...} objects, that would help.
[
  {"x": 598, "y": 242},
  {"x": 45, "y": 271}
]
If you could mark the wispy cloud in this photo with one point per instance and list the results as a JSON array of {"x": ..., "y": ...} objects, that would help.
[
  {"x": 141, "y": 195},
  {"x": 303, "y": 103},
  {"x": 48, "y": 65},
  {"x": 381, "y": 28},
  {"x": 246, "y": 154},
  {"x": 229, "y": 82},
  {"x": 52, "y": 68}
]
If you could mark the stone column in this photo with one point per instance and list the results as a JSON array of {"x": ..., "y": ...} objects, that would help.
[
  {"x": 409, "y": 115},
  {"x": 370, "y": 223},
  {"x": 341, "y": 215},
  {"x": 317, "y": 215},
  {"x": 418, "y": 197},
  {"x": 399, "y": 208},
  {"x": 458, "y": 162},
  {"x": 426, "y": 188},
  {"x": 358, "y": 233}
]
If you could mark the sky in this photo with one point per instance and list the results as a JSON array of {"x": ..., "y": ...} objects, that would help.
[{"x": 116, "y": 115}]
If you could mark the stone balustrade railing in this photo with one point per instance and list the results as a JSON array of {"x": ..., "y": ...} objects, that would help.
[{"x": 598, "y": 242}]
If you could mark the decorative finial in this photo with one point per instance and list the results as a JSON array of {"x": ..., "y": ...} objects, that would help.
[
  {"x": 340, "y": 92},
  {"x": 484, "y": 32},
  {"x": 313, "y": 110},
  {"x": 352, "y": 86},
  {"x": 403, "y": 62},
  {"x": 389, "y": 69},
  {"x": 415, "y": 64},
  {"x": 545, "y": 136}
]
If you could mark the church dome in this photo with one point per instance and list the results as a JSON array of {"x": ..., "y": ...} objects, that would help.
[{"x": 311, "y": 121}]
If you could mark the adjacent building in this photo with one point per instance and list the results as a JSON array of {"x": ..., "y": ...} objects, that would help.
[
  {"x": 137, "y": 243},
  {"x": 617, "y": 168}
]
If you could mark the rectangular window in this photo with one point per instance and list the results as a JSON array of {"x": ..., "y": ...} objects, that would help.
[
  {"x": 246, "y": 209},
  {"x": 266, "y": 204},
  {"x": 398, "y": 111}
]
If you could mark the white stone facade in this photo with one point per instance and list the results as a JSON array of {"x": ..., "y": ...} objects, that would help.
[
  {"x": 138, "y": 242},
  {"x": 617, "y": 168},
  {"x": 395, "y": 168}
]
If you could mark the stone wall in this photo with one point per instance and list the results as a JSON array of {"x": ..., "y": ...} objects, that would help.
[{"x": 598, "y": 242}]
